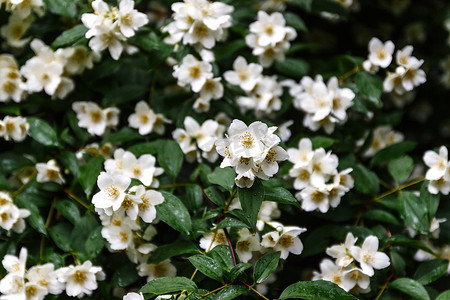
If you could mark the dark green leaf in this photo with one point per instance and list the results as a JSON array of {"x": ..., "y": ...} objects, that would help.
[
  {"x": 370, "y": 86},
  {"x": 431, "y": 201},
  {"x": 330, "y": 6},
  {"x": 232, "y": 223},
  {"x": 411, "y": 288},
  {"x": 382, "y": 216},
  {"x": 147, "y": 148},
  {"x": 123, "y": 94},
  {"x": 392, "y": 152},
  {"x": 70, "y": 161},
  {"x": 305, "y": 4},
  {"x": 366, "y": 181},
  {"x": 81, "y": 231},
  {"x": 431, "y": 270},
  {"x": 227, "y": 49},
  {"x": 125, "y": 134},
  {"x": 280, "y": 195},
  {"x": 176, "y": 248},
  {"x": 315, "y": 290},
  {"x": 66, "y": 8},
  {"x": 239, "y": 214},
  {"x": 126, "y": 274},
  {"x": 95, "y": 243},
  {"x": 168, "y": 285},
  {"x": 295, "y": 21},
  {"x": 223, "y": 177},
  {"x": 194, "y": 196},
  {"x": 228, "y": 293},
  {"x": 398, "y": 263},
  {"x": 42, "y": 132},
  {"x": 221, "y": 254},
  {"x": 207, "y": 266},
  {"x": 444, "y": 296},
  {"x": 34, "y": 219},
  {"x": 251, "y": 199},
  {"x": 292, "y": 67},
  {"x": 69, "y": 210},
  {"x": 215, "y": 196},
  {"x": 322, "y": 142},
  {"x": 414, "y": 212},
  {"x": 60, "y": 234},
  {"x": 402, "y": 240},
  {"x": 238, "y": 270},
  {"x": 400, "y": 168},
  {"x": 89, "y": 173},
  {"x": 265, "y": 266},
  {"x": 171, "y": 158},
  {"x": 70, "y": 36},
  {"x": 173, "y": 212},
  {"x": 11, "y": 161},
  {"x": 82, "y": 134}
]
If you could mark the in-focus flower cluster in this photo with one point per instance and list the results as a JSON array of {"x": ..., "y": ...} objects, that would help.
[
  {"x": 252, "y": 151},
  {"x": 109, "y": 27},
  {"x": 96, "y": 120},
  {"x": 200, "y": 23},
  {"x": 345, "y": 272},
  {"x": 439, "y": 171},
  {"x": 325, "y": 105},
  {"x": 41, "y": 280},
  {"x": 11, "y": 217},
  {"x": 14, "y": 128},
  {"x": 270, "y": 37},
  {"x": 316, "y": 176},
  {"x": 196, "y": 141}
]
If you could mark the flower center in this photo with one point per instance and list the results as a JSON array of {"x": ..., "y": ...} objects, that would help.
[
  {"x": 247, "y": 139},
  {"x": 79, "y": 277}
]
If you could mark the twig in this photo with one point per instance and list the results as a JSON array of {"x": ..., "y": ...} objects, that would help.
[
  {"x": 230, "y": 246},
  {"x": 69, "y": 193},
  {"x": 398, "y": 188},
  {"x": 216, "y": 290},
  {"x": 14, "y": 194},
  {"x": 47, "y": 223},
  {"x": 255, "y": 291},
  {"x": 353, "y": 71},
  {"x": 384, "y": 287}
]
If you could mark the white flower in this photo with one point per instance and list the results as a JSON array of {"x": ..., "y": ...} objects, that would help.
[
  {"x": 302, "y": 156},
  {"x": 45, "y": 276},
  {"x": 130, "y": 19},
  {"x": 213, "y": 239},
  {"x": 355, "y": 277},
  {"x": 49, "y": 171},
  {"x": 15, "y": 128},
  {"x": 193, "y": 72},
  {"x": 16, "y": 265},
  {"x": 12, "y": 287},
  {"x": 329, "y": 271},
  {"x": 246, "y": 244},
  {"x": 342, "y": 252},
  {"x": 119, "y": 237},
  {"x": 95, "y": 119},
  {"x": 285, "y": 242},
  {"x": 438, "y": 163},
  {"x": 382, "y": 137},
  {"x": 152, "y": 271},
  {"x": 148, "y": 199},
  {"x": 133, "y": 296},
  {"x": 112, "y": 190},
  {"x": 15, "y": 30},
  {"x": 145, "y": 120},
  {"x": 434, "y": 226},
  {"x": 212, "y": 89},
  {"x": 369, "y": 67},
  {"x": 78, "y": 59},
  {"x": 369, "y": 257},
  {"x": 34, "y": 291},
  {"x": 270, "y": 29},
  {"x": 42, "y": 76},
  {"x": 380, "y": 54},
  {"x": 24, "y": 7},
  {"x": 245, "y": 75},
  {"x": 80, "y": 280}
]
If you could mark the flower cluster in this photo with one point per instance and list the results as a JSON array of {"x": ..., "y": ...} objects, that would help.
[
  {"x": 439, "y": 171},
  {"x": 11, "y": 217},
  {"x": 96, "y": 120},
  {"x": 198, "y": 74},
  {"x": 41, "y": 280},
  {"x": 345, "y": 272},
  {"x": 14, "y": 128},
  {"x": 199, "y": 23},
  {"x": 24, "y": 8},
  {"x": 49, "y": 171},
  {"x": 325, "y": 105},
  {"x": 11, "y": 85},
  {"x": 195, "y": 137},
  {"x": 382, "y": 137},
  {"x": 317, "y": 177},
  {"x": 252, "y": 151},
  {"x": 16, "y": 28},
  {"x": 146, "y": 121},
  {"x": 269, "y": 37},
  {"x": 109, "y": 27}
]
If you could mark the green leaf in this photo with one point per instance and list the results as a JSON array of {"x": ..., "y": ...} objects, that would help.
[
  {"x": 11, "y": 161},
  {"x": 95, "y": 243},
  {"x": 370, "y": 86},
  {"x": 207, "y": 266},
  {"x": 228, "y": 293},
  {"x": 125, "y": 134},
  {"x": 411, "y": 288},
  {"x": 414, "y": 212},
  {"x": 69, "y": 210},
  {"x": 171, "y": 159},
  {"x": 430, "y": 271},
  {"x": 305, "y": 4},
  {"x": 431, "y": 201},
  {"x": 444, "y": 296},
  {"x": 382, "y": 216},
  {"x": 89, "y": 172},
  {"x": 223, "y": 177},
  {"x": 122, "y": 94},
  {"x": 34, "y": 219},
  {"x": 400, "y": 168},
  {"x": 251, "y": 199},
  {"x": 42, "y": 132},
  {"x": 392, "y": 152},
  {"x": 70, "y": 36},
  {"x": 176, "y": 248},
  {"x": 70, "y": 161},
  {"x": 295, "y": 21},
  {"x": 125, "y": 275},
  {"x": 66, "y": 8},
  {"x": 405, "y": 241},
  {"x": 265, "y": 266},
  {"x": 173, "y": 212},
  {"x": 238, "y": 270},
  {"x": 215, "y": 196},
  {"x": 366, "y": 181},
  {"x": 147, "y": 148},
  {"x": 221, "y": 254},
  {"x": 323, "y": 142},
  {"x": 315, "y": 290},
  {"x": 280, "y": 195},
  {"x": 81, "y": 231},
  {"x": 232, "y": 223},
  {"x": 168, "y": 285},
  {"x": 224, "y": 50},
  {"x": 60, "y": 234},
  {"x": 292, "y": 67},
  {"x": 194, "y": 196},
  {"x": 398, "y": 263}
]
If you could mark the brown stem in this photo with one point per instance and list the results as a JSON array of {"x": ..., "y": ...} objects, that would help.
[
  {"x": 384, "y": 286},
  {"x": 255, "y": 291},
  {"x": 69, "y": 193}
]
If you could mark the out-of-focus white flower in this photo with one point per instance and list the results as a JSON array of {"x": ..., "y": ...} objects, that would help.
[
  {"x": 329, "y": 271},
  {"x": 11, "y": 85},
  {"x": 439, "y": 172},
  {"x": 14, "y": 128},
  {"x": 14, "y": 31},
  {"x": 380, "y": 54},
  {"x": 78, "y": 59},
  {"x": 25, "y": 7},
  {"x": 49, "y": 171},
  {"x": 382, "y": 137},
  {"x": 133, "y": 296},
  {"x": 80, "y": 280},
  {"x": 95, "y": 119},
  {"x": 342, "y": 252},
  {"x": 286, "y": 241},
  {"x": 152, "y": 271},
  {"x": 246, "y": 244},
  {"x": 45, "y": 276},
  {"x": 213, "y": 239},
  {"x": 193, "y": 72},
  {"x": 245, "y": 75},
  {"x": 145, "y": 120}
]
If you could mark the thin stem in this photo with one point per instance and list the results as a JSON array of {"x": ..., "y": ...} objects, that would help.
[
  {"x": 353, "y": 71},
  {"x": 14, "y": 194},
  {"x": 69, "y": 193},
  {"x": 47, "y": 224},
  {"x": 398, "y": 188},
  {"x": 193, "y": 274},
  {"x": 230, "y": 246},
  {"x": 216, "y": 290},
  {"x": 255, "y": 291},
  {"x": 384, "y": 287}
]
